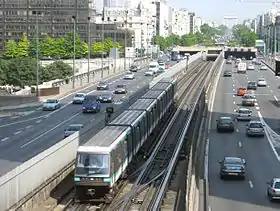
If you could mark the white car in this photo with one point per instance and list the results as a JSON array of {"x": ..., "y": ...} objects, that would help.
[
  {"x": 250, "y": 67},
  {"x": 244, "y": 114},
  {"x": 129, "y": 76},
  {"x": 149, "y": 73},
  {"x": 78, "y": 98},
  {"x": 51, "y": 105},
  {"x": 263, "y": 67},
  {"x": 161, "y": 65},
  {"x": 261, "y": 82}
]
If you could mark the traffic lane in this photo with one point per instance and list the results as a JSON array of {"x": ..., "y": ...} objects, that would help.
[
  {"x": 239, "y": 195},
  {"x": 32, "y": 129},
  {"x": 60, "y": 115},
  {"x": 66, "y": 100}
]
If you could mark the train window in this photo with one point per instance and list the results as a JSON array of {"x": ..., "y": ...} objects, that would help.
[
  {"x": 138, "y": 137},
  {"x": 92, "y": 164},
  {"x": 129, "y": 143}
]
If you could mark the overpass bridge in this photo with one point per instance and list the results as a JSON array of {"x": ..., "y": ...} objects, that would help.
[{"x": 211, "y": 53}]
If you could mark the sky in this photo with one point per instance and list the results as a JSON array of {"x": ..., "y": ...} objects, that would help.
[{"x": 216, "y": 9}]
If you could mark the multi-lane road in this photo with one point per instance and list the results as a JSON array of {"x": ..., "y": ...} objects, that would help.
[
  {"x": 262, "y": 160},
  {"x": 26, "y": 136}
]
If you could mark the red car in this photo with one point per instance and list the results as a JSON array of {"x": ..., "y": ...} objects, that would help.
[{"x": 167, "y": 66}]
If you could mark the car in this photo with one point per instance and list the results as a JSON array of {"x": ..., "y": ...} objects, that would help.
[
  {"x": 120, "y": 89},
  {"x": 242, "y": 91},
  {"x": 261, "y": 82},
  {"x": 161, "y": 65},
  {"x": 263, "y": 67},
  {"x": 91, "y": 104},
  {"x": 167, "y": 66},
  {"x": 258, "y": 62},
  {"x": 232, "y": 167},
  {"x": 252, "y": 85},
  {"x": 244, "y": 114},
  {"x": 134, "y": 68},
  {"x": 243, "y": 58},
  {"x": 106, "y": 98},
  {"x": 254, "y": 60},
  {"x": 78, "y": 98},
  {"x": 273, "y": 189},
  {"x": 149, "y": 73},
  {"x": 51, "y": 105},
  {"x": 228, "y": 61},
  {"x": 103, "y": 85},
  {"x": 225, "y": 124},
  {"x": 248, "y": 100},
  {"x": 72, "y": 129},
  {"x": 250, "y": 67},
  {"x": 227, "y": 73},
  {"x": 255, "y": 128},
  {"x": 129, "y": 76}
]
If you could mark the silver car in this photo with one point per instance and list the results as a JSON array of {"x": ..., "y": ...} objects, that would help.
[
  {"x": 51, "y": 105},
  {"x": 78, "y": 98},
  {"x": 255, "y": 128},
  {"x": 273, "y": 189},
  {"x": 248, "y": 100},
  {"x": 72, "y": 129},
  {"x": 244, "y": 114}
]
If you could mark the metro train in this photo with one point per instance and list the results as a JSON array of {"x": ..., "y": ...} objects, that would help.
[{"x": 101, "y": 161}]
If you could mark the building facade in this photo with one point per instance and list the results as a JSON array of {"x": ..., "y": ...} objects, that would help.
[
  {"x": 54, "y": 18},
  {"x": 179, "y": 22},
  {"x": 192, "y": 22}
]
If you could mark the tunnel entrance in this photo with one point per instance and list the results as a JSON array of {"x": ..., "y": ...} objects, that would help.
[
  {"x": 247, "y": 53},
  {"x": 277, "y": 66}
]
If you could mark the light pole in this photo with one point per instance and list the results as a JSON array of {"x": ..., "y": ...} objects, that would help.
[
  {"x": 125, "y": 39},
  {"x": 115, "y": 41},
  {"x": 89, "y": 46},
  {"x": 74, "y": 50},
  {"x": 102, "y": 40},
  {"x": 147, "y": 39},
  {"x": 37, "y": 55},
  {"x": 141, "y": 37}
]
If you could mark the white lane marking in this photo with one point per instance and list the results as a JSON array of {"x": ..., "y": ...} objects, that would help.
[
  {"x": 92, "y": 120},
  {"x": 43, "y": 134},
  {"x": 233, "y": 85},
  {"x": 270, "y": 141},
  {"x": 233, "y": 90},
  {"x": 271, "y": 90},
  {"x": 5, "y": 139},
  {"x": 234, "y": 102},
  {"x": 258, "y": 108},
  {"x": 38, "y": 121},
  {"x": 256, "y": 104},
  {"x": 29, "y": 126},
  {"x": 18, "y": 132},
  {"x": 237, "y": 130},
  {"x": 268, "y": 86},
  {"x": 251, "y": 184},
  {"x": 275, "y": 98},
  {"x": 233, "y": 95},
  {"x": 14, "y": 117},
  {"x": 239, "y": 144}
]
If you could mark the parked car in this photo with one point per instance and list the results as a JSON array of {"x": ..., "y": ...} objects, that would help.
[
  {"x": 103, "y": 86},
  {"x": 72, "y": 129},
  {"x": 78, "y": 98},
  {"x": 51, "y": 105}
]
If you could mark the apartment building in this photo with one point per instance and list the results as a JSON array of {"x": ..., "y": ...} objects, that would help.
[
  {"x": 179, "y": 22},
  {"x": 55, "y": 18},
  {"x": 192, "y": 22}
]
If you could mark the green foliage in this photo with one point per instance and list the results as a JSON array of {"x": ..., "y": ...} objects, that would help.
[
  {"x": 11, "y": 49},
  {"x": 244, "y": 35},
  {"x": 56, "y": 70},
  {"x": 23, "y": 46}
]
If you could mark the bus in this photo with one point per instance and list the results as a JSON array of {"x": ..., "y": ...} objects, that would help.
[{"x": 175, "y": 55}]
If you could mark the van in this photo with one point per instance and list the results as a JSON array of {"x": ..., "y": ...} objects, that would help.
[
  {"x": 242, "y": 67},
  {"x": 154, "y": 67}
]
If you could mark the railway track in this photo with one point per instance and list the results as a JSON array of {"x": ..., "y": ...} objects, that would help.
[
  {"x": 147, "y": 186},
  {"x": 186, "y": 82}
]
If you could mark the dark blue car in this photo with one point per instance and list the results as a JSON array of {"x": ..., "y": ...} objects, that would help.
[{"x": 91, "y": 105}]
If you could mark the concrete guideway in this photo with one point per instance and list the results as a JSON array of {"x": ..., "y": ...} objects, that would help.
[
  {"x": 262, "y": 162},
  {"x": 81, "y": 85},
  {"x": 65, "y": 153}
]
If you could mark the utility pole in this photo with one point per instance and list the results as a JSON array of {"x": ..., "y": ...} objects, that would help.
[
  {"x": 125, "y": 38},
  {"x": 37, "y": 55},
  {"x": 115, "y": 41},
  {"x": 74, "y": 50},
  {"x": 102, "y": 40},
  {"x": 89, "y": 46}
]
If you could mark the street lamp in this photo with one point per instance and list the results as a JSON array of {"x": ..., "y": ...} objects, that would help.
[
  {"x": 37, "y": 55},
  {"x": 74, "y": 50},
  {"x": 141, "y": 37},
  {"x": 115, "y": 41},
  {"x": 125, "y": 38},
  {"x": 102, "y": 40},
  {"x": 89, "y": 46}
]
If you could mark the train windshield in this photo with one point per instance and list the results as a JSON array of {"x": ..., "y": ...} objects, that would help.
[{"x": 92, "y": 164}]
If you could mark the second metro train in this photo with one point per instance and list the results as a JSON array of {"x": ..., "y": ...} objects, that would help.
[{"x": 102, "y": 160}]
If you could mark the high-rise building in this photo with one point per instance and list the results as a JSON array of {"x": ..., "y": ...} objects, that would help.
[
  {"x": 55, "y": 18},
  {"x": 192, "y": 22}
]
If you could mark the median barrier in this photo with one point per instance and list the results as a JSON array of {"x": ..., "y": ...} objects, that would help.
[{"x": 24, "y": 180}]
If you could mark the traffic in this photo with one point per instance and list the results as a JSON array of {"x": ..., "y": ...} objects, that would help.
[{"x": 243, "y": 156}]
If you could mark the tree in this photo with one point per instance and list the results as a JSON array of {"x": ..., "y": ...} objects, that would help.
[
  {"x": 11, "y": 49},
  {"x": 3, "y": 71},
  {"x": 96, "y": 48},
  {"x": 108, "y": 44},
  {"x": 244, "y": 35},
  {"x": 80, "y": 46},
  {"x": 222, "y": 30},
  {"x": 189, "y": 40},
  {"x": 207, "y": 30},
  {"x": 56, "y": 70},
  {"x": 49, "y": 48},
  {"x": 161, "y": 42},
  {"x": 23, "y": 46},
  {"x": 60, "y": 47}
]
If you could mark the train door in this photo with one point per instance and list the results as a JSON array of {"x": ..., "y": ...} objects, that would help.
[
  {"x": 129, "y": 144},
  {"x": 143, "y": 129},
  {"x": 137, "y": 139},
  {"x": 114, "y": 165}
]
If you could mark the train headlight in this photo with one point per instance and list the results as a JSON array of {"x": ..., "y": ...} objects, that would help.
[{"x": 77, "y": 179}]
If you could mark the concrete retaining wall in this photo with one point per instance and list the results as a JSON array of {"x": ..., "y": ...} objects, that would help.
[{"x": 22, "y": 181}]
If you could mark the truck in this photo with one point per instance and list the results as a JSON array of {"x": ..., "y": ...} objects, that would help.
[{"x": 242, "y": 67}]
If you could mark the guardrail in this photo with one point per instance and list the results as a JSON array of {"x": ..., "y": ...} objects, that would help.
[
  {"x": 42, "y": 170},
  {"x": 70, "y": 79}
]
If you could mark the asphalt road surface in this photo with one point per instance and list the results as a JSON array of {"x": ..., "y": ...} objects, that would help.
[
  {"x": 262, "y": 162},
  {"x": 25, "y": 137}
]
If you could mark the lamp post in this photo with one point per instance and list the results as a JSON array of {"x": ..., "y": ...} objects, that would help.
[
  {"x": 115, "y": 42},
  {"x": 74, "y": 50},
  {"x": 37, "y": 55},
  {"x": 147, "y": 39},
  {"x": 141, "y": 44},
  {"x": 125, "y": 39},
  {"x": 102, "y": 40},
  {"x": 89, "y": 46}
]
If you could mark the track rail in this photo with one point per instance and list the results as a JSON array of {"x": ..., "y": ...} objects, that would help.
[{"x": 156, "y": 172}]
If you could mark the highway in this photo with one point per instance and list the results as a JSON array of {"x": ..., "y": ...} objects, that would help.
[
  {"x": 262, "y": 163},
  {"x": 25, "y": 137}
]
